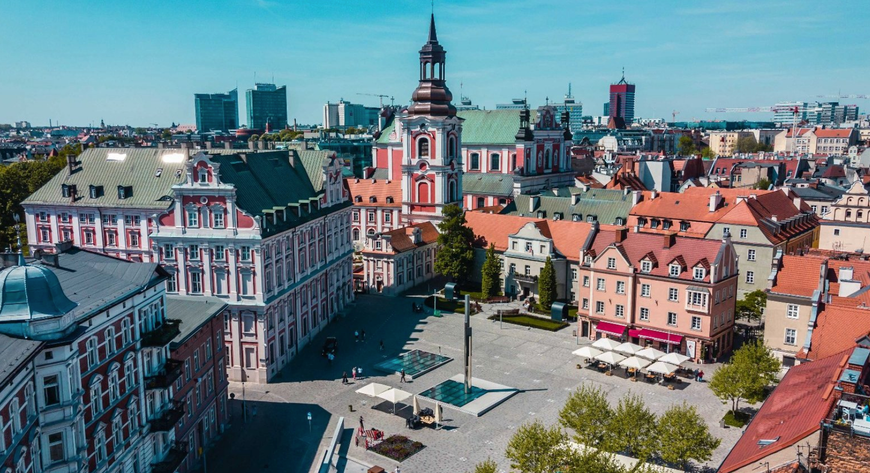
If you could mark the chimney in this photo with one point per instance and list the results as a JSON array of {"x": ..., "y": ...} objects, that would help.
[
  {"x": 72, "y": 163},
  {"x": 228, "y": 145},
  {"x": 715, "y": 201},
  {"x": 669, "y": 240},
  {"x": 636, "y": 197},
  {"x": 653, "y": 194},
  {"x": 626, "y": 191},
  {"x": 575, "y": 199},
  {"x": 252, "y": 145},
  {"x": 208, "y": 144},
  {"x": 261, "y": 145},
  {"x": 797, "y": 202},
  {"x": 773, "y": 217},
  {"x": 534, "y": 202},
  {"x": 293, "y": 158},
  {"x": 621, "y": 234}
]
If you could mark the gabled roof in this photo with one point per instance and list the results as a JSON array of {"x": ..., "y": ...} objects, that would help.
[
  {"x": 400, "y": 238},
  {"x": 606, "y": 205},
  {"x": 377, "y": 188},
  {"x": 193, "y": 312},
  {"x": 793, "y": 411},
  {"x": 833, "y": 132},
  {"x": 482, "y": 183},
  {"x": 836, "y": 330},
  {"x": 798, "y": 275},
  {"x": 494, "y": 228}
]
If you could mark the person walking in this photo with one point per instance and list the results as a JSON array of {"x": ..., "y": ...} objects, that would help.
[
  {"x": 359, "y": 373},
  {"x": 701, "y": 376},
  {"x": 382, "y": 345},
  {"x": 353, "y": 373},
  {"x": 362, "y": 427},
  {"x": 344, "y": 378},
  {"x": 696, "y": 374},
  {"x": 402, "y": 379},
  {"x": 356, "y": 335}
]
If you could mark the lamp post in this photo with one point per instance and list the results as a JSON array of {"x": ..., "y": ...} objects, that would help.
[
  {"x": 309, "y": 422},
  {"x": 244, "y": 403}
]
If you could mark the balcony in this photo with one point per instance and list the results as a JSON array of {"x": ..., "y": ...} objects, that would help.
[
  {"x": 174, "y": 458},
  {"x": 165, "y": 377},
  {"x": 168, "y": 418},
  {"x": 162, "y": 335},
  {"x": 525, "y": 278}
]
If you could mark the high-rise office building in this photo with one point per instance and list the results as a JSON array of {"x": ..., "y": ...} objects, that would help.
[
  {"x": 622, "y": 100},
  {"x": 267, "y": 103},
  {"x": 217, "y": 112},
  {"x": 516, "y": 104},
  {"x": 815, "y": 113},
  {"x": 574, "y": 109},
  {"x": 345, "y": 114}
]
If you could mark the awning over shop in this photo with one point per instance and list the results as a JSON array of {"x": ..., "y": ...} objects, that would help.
[
  {"x": 660, "y": 336},
  {"x": 610, "y": 328},
  {"x": 634, "y": 333}
]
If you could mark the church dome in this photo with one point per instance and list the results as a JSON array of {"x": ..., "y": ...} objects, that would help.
[{"x": 29, "y": 293}]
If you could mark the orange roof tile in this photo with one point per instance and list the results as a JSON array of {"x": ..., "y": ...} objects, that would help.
[
  {"x": 833, "y": 132},
  {"x": 400, "y": 238},
  {"x": 798, "y": 276},
  {"x": 793, "y": 411},
  {"x": 380, "y": 189},
  {"x": 836, "y": 330},
  {"x": 494, "y": 228}
]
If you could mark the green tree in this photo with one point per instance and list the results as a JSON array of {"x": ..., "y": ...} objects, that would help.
[
  {"x": 632, "y": 428},
  {"x": 167, "y": 134},
  {"x": 686, "y": 146},
  {"x": 588, "y": 414},
  {"x": 707, "y": 153},
  {"x": 455, "y": 257},
  {"x": 746, "y": 144},
  {"x": 762, "y": 184},
  {"x": 535, "y": 448},
  {"x": 751, "y": 307},
  {"x": 763, "y": 147},
  {"x": 547, "y": 285},
  {"x": 751, "y": 370},
  {"x": 254, "y": 137},
  {"x": 486, "y": 466},
  {"x": 490, "y": 274},
  {"x": 684, "y": 436}
]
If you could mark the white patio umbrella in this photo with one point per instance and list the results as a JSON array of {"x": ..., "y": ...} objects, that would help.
[
  {"x": 587, "y": 352},
  {"x": 373, "y": 389},
  {"x": 609, "y": 357},
  {"x": 650, "y": 353},
  {"x": 394, "y": 395},
  {"x": 605, "y": 344},
  {"x": 674, "y": 358},
  {"x": 634, "y": 362},
  {"x": 628, "y": 348},
  {"x": 661, "y": 368},
  {"x": 416, "y": 406}
]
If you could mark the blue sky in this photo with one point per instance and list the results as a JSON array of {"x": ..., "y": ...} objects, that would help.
[{"x": 137, "y": 63}]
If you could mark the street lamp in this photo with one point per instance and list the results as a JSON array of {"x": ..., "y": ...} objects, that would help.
[{"x": 309, "y": 422}]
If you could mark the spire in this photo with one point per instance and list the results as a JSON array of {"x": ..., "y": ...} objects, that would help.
[{"x": 433, "y": 37}]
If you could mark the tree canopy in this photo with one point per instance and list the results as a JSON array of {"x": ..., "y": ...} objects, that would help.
[
  {"x": 751, "y": 370},
  {"x": 746, "y": 144},
  {"x": 632, "y": 428},
  {"x": 683, "y": 436},
  {"x": 707, "y": 153},
  {"x": 490, "y": 274},
  {"x": 588, "y": 414},
  {"x": 751, "y": 307},
  {"x": 547, "y": 285},
  {"x": 535, "y": 448},
  {"x": 455, "y": 257},
  {"x": 686, "y": 146}
]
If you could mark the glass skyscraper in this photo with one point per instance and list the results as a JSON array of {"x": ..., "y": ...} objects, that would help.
[
  {"x": 217, "y": 112},
  {"x": 267, "y": 104}
]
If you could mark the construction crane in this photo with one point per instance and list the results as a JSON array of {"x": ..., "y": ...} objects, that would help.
[
  {"x": 841, "y": 96},
  {"x": 674, "y": 115},
  {"x": 380, "y": 97},
  {"x": 773, "y": 109}
]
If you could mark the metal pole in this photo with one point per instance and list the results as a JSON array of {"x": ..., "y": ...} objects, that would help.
[
  {"x": 467, "y": 344},
  {"x": 244, "y": 402}
]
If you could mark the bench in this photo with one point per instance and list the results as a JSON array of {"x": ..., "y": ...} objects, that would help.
[{"x": 509, "y": 312}]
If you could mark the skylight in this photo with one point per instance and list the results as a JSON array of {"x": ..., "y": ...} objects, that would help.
[{"x": 116, "y": 156}]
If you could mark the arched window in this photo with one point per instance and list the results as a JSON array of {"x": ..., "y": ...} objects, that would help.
[
  {"x": 126, "y": 331},
  {"x": 848, "y": 214},
  {"x": 370, "y": 232},
  {"x": 451, "y": 148},
  {"x": 356, "y": 234},
  {"x": 453, "y": 196},
  {"x": 547, "y": 160},
  {"x": 110, "y": 340},
  {"x": 495, "y": 161},
  {"x": 423, "y": 192},
  {"x": 513, "y": 161},
  {"x": 423, "y": 148},
  {"x": 93, "y": 357}
]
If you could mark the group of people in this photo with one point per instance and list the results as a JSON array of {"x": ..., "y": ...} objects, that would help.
[{"x": 355, "y": 373}]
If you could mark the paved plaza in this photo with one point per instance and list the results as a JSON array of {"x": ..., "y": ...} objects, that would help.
[{"x": 278, "y": 437}]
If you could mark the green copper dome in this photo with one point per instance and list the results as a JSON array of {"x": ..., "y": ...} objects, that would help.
[{"x": 29, "y": 293}]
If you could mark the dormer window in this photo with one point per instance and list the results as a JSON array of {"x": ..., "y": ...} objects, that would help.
[
  {"x": 590, "y": 218},
  {"x": 666, "y": 224},
  {"x": 557, "y": 216},
  {"x": 646, "y": 266},
  {"x": 576, "y": 217},
  {"x": 654, "y": 224},
  {"x": 357, "y": 198},
  {"x": 542, "y": 214},
  {"x": 373, "y": 199},
  {"x": 390, "y": 199},
  {"x": 203, "y": 176},
  {"x": 620, "y": 221},
  {"x": 684, "y": 226},
  {"x": 674, "y": 270}
]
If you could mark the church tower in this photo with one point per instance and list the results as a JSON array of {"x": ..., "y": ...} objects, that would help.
[{"x": 431, "y": 140}]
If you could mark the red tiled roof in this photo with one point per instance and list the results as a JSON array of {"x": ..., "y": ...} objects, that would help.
[
  {"x": 799, "y": 275},
  {"x": 378, "y": 188},
  {"x": 494, "y": 228},
  {"x": 833, "y": 132},
  {"x": 792, "y": 412},
  {"x": 836, "y": 330},
  {"x": 860, "y": 273}
]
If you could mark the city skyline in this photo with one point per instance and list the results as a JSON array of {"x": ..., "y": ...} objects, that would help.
[{"x": 124, "y": 75}]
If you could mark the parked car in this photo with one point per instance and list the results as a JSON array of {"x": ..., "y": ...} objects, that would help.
[{"x": 330, "y": 346}]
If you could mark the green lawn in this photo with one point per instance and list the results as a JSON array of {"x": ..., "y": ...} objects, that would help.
[
  {"x": 532, "y": 321},
  {"x": 445, "y": 305}
]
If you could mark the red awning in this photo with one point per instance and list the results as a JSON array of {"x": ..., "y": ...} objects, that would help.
[
  {"x": 660, "y": 336},
  {"x": 610, "y": 328},
  {"x": 634, "y": 333}
]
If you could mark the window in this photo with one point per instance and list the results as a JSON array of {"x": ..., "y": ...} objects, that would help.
[
  {"x": 620, "y": 311},
  {"x": 356, "y": 215},
  {"x": 114, "y": 386},
  {"x": 246, "y": 253},
  {"x": 196, "y": 282},
  {"x": 219, "y": 252},
  {"x": 585, "y": 281},
  {"x": 51, "y": 390},
  {"x": 644, "y": 314},
  {"x": 599, "y": 284},
  {"x": 248, "y": 324},
  {"x": 750, "y": 255},
  {"x": 646, "y": 266},
  {"x": 134, "y": 239},
  {"x": 528, "y": 270},
  {"x": 55, "y": 447},
  {"x": 644, "y": 290},
  {"x": 836, "y": 232},
  {"x": 494, "y": 161},
  {"x": 585, "y": 304},
  {"x": 599, "y": 307},
  {"x": 672, "y": 318},
  {"x": 573, "y": 274},
  {"x": 110, "y": 340},
  {"x": 192, "y": 217},
  {"x": 726, "y": 231},
  {"x": 96, "y": 399},
  {"x": 196, "y": 360},
  {"x": 750, "y": 277},
  {"x": 697, "y": 299},
  {"x": 673, "y": 294},
  {"x": 699, "y": 273},
  {"x": 744, "y": 233},
  {"x": 611, "y": 263},
  {"x": 171, "y": 283},
  {"x": 193, "y": 252},
  {"x": 790, "y": 336},
  {"x": 696, "y": 323},
  {"x": 792, "y": 311},
  {"x": 620, "y": 287},
  {"x": 187, "y": 369},
  {"x": 475, "y": 162},
  {"x": 168, "y": 251},
  {"x": 219, "y": 218},
  {"x": 684, "y": 226},
  {"x": 423, "y": 148},
  {"x": 674, "y": 270},
  {"x": 92, "y": 352},
  {"x": 110, "y": 239},
  {"x": 388, "y": 217}
]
